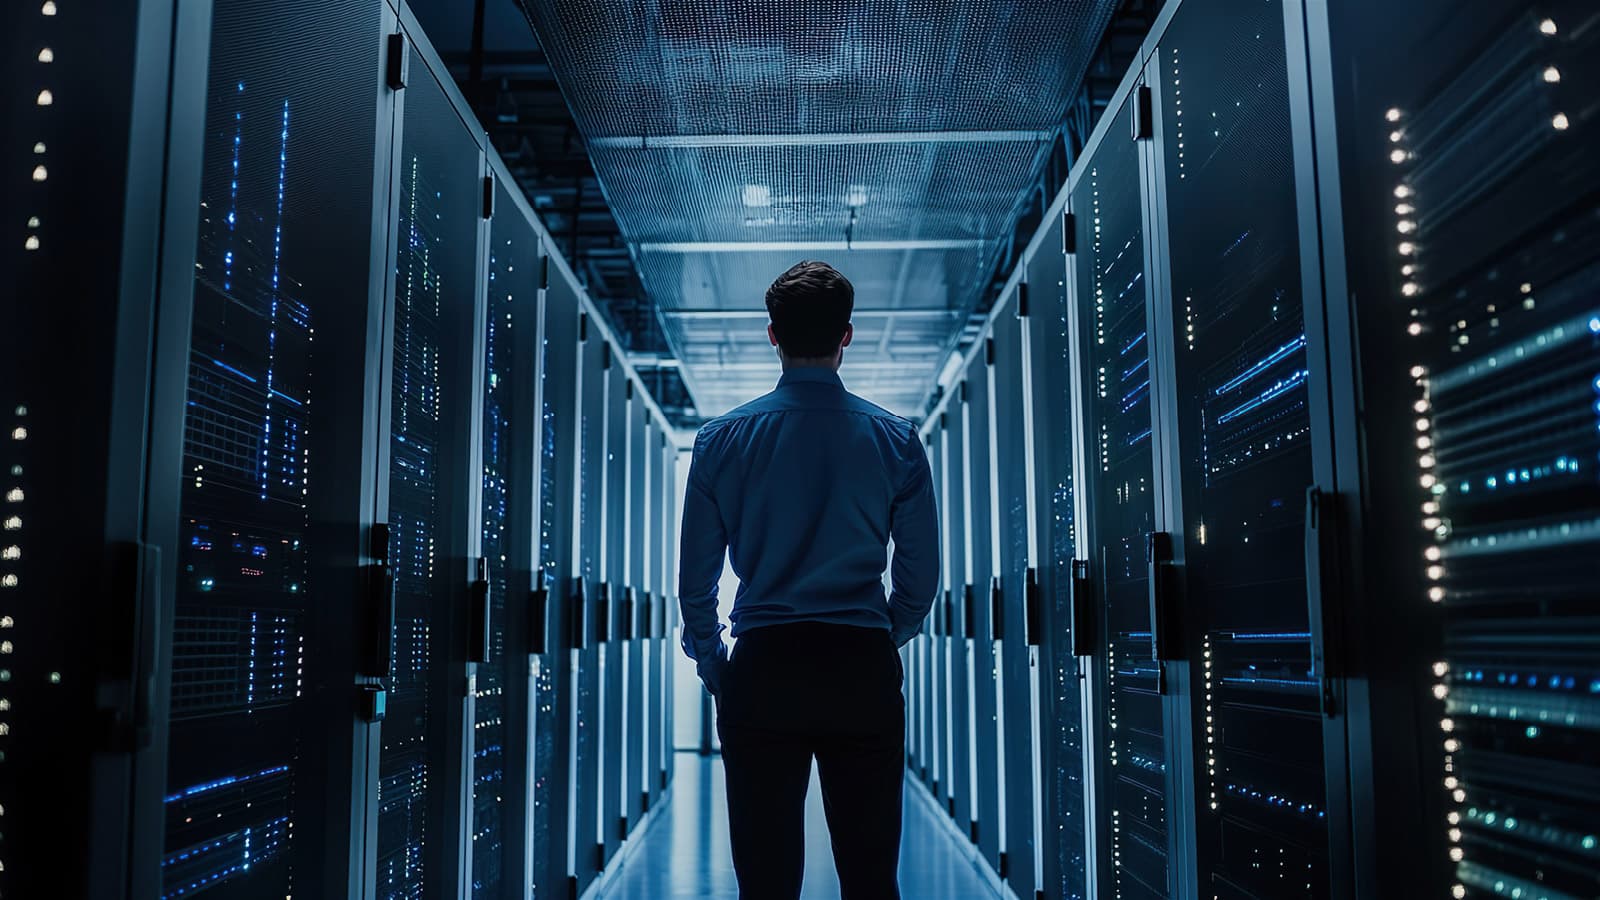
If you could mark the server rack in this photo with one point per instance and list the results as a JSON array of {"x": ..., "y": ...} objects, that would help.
[
  {"x": 551, "y": 672},
  {"x": 635, "y": 793},
  {"x": 1135, "y": 638},
  {"x": 431, "y": 503},
  {"x": 961, "y": 763},
  {"x": 1062, "y": 583},
  {"x": 613, "y": 649},
  {"x": 505, "y": 726},
  {"x": 295, "y": 551},
  {"x": 983, "y": 685},
  {"x": 671, "y": 620},
  {"x": 104, "y": 128},
  {"x": 932, "y": 642},
  {"x": 273, "y": 496},
  {"x": 652, "y": 525},
  {"x": 584, "y": 751},
  {"x": 1012, "y": 600},
  {"x": 1247, "y": 442},
  {"x": 1454, "y": 212}
]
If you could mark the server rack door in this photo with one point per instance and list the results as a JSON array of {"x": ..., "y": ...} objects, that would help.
[
  {"x": 1241, "y": 386},
  {"x": 550, "y": 670},
  {"x": 1467, "y": 239},
  {"x": 1111, "y": 293},
  {"x": 635, "y": 793},
  {"x": 502, "y": 726},
  {"x": 982, "y": 682},
  {"x": 961, "y": 764},
  {"x": 275, "y": 475},
  {"x": 613, "y": 649},
  {"x": 103, "y": 117},
  {"x": 656, "y": 649},
  {"x": 1066, "y": 851},
  {"x": 584, "y": 749},
  {"x": 938, "y": 633},
  {"x": 1009, "y": 478},
  {"x": 669, "y": 590},
  {"x": 432, "y": 489}
]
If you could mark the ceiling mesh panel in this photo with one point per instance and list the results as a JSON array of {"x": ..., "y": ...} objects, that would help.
[{"x": 895, "y": 140}]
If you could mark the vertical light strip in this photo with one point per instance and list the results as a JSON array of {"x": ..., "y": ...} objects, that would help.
[
  {"x": 968, "y": 642},
  {"x": 1031, "y": 497},
  {"x": 997, "y": 581}
]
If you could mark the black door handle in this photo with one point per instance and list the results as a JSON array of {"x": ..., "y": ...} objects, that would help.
[
  {"x": 1322, "y": 511},
  {"x": 1083, "y": 642},
  {"x": 478, "y": 614},
  {"x": 378, "y": 660},
  {"x": 1033, "y": 615},
  {"x": 1158, "y": 556}
]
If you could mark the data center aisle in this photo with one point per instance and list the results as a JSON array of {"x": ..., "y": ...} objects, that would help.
[{"x": 685, "y": 854}]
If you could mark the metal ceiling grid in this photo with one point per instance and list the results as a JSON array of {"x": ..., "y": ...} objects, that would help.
[{"x": 896, "y": 139}]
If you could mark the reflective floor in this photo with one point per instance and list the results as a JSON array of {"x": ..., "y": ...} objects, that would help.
[{"x": 684, "y": 853}]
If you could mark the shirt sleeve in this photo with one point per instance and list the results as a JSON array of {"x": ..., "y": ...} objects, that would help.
[
  {"x": 703, "y": 546},
  {"x": 914, "y": 527}
]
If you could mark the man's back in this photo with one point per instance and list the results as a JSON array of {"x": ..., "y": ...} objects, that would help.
[
  {"x": 804, "y": 485},
  {"x": 804, "y": 490}
]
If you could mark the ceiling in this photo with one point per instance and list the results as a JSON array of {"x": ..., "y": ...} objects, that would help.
[{"x": 898, "y": 141}]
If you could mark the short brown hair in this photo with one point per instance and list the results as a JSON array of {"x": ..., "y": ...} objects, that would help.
[{"x": 810, "y": 307}]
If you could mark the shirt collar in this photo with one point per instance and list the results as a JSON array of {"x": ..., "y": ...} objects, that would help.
[{"x": 811, "y": 375}]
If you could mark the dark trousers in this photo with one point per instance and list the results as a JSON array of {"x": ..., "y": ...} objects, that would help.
[{"x": 830, "y": 692}]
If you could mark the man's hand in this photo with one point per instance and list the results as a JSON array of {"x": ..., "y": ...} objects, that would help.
[{"x": 711, "y": 669}]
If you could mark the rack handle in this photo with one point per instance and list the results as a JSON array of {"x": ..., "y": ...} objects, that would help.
[{"x": 1082, "y": 609}]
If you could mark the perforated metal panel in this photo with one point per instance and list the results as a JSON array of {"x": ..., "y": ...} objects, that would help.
[{"x": 896, "y": 141}]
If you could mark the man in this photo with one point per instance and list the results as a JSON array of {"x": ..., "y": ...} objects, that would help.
[{"x": 804, "y": 488}]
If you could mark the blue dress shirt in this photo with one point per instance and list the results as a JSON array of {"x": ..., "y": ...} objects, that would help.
[{"x": 804, "y": 488}]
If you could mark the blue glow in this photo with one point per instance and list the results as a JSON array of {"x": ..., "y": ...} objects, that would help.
[
  {"x": 1270, "y": 635},
  {"x": 1136, "y": 342},
  {"x": 1265, "y": 363},
  {"x": 222, "y": 365},
  {"x": 1134, "y": 396},
  {"x": 1283, "y": 386},
  {"x": 233, "y": 198},
  {"x": 1236, "y": 242},
  {"x": 224, "y": 782}
]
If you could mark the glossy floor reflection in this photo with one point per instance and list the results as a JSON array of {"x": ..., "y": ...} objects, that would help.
[{"x": 685, "y": 853}]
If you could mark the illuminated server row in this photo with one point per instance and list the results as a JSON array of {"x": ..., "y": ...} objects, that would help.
[
  {"x": 338, "y": 530},
  {"x": 1269, "y": 490}
]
